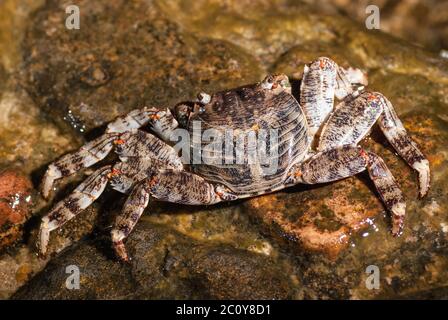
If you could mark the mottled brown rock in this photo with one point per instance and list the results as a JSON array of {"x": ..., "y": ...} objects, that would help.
[
  {"x": 136, "y": 57},
  {"x": 166, "y": 265},
  {"x": 225, "y": 273},
  {"x": 423, "y": 22},
  {"x": 317, "y": 220}
]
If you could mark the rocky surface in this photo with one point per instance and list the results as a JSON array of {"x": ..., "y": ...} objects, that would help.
[
  {"x": 167, "y": 264},
  {"x": 159, "y": 53},
  {"x": 15, "y": 203},
  {"x": 421, "y": 22}
]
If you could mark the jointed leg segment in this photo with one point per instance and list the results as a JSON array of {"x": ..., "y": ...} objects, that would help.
[
  {"x": 322, "y": 80},
  {"x": 133, "y": 208},
  {"x": 396, "y": 134},
  {"x": 149, "y": 167},
  {"x": 348, "y": 123},
  {"x": 82, "y": 197},
  {"x": 162, "y": 122},
  {"x": 166, "y": 185},
  {"x": 352, "y": 119}
]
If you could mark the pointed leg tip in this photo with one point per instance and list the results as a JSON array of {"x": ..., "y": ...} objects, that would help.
[
  {"x": 42, "y": 253},
  {"x": 45, "y": 194},
  {"x": 423, "y": 193},
  {"x": 120, "y": 251},
  {"x": 48, "y": 181},
  {"x": 424, "y": 188},
  {"x": 398, "y": 213},
  {"x": 45, "y": 188},
  {"x": 43, "y": 237},
  {"x": 397, "y": 226},
  {"x": 424, "y": 176}
]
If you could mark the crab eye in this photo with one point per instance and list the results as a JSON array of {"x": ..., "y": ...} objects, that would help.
[
  {"x": 268, "y": 82},
  {"x": 204, "y": 98}
]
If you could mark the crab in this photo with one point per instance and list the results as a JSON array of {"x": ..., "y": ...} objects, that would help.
[{"x": 317, "y": 143}]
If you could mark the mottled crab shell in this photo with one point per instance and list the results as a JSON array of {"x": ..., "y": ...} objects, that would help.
[{"x": 249, "y": 110}]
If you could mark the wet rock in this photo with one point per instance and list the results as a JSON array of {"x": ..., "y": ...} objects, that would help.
[
  {"x": 325, "y": 219},
  {"x": 136, "y": 57},
  {"x": 422, "y": 22},
  {"x": 13, "y": 21},
  {"x": 16, "y": 267},
  {"x": 159, "y": 53},
  {"x": 166, "y": 265},
  {"x": 225, "y": 273},
  {"x": 15, "y": 203}
]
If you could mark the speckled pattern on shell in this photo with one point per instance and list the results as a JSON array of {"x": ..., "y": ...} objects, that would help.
[{"x": 246, "y": 110}]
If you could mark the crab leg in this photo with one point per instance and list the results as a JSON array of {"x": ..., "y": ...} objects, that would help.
[
  {"x": 86, "y": 156},
  {"x": 133, "y": 208},
  {"x": 351, "y": 121},
  {"x": 65, "y": 210},
  {"x": 354, "y": 117},
  {"x": 144, "y": 145},
  {"x": 396, "y": 134},
  {"x": 166, "y": 185},
  {"x": 161, "y": 122},
  {"x": 346, "y": 161},
  {"x": 322, "y": 80},
  {"x": 143, "y": 154}
]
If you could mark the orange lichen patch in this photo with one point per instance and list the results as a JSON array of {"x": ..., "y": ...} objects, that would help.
[
  {"x": 118, "y": 141},
  {"x": 15, "y": 200},
  {"x": 267, "y": 202},
  {"x": 310, "y": 237},
  {"x": 154, "y": 117},
  {"x": 421, "y": 125},
  {"x": 12, "y": 182},
  {"x": 329, "y": 242},
  {"x": 7, "y": 214},
  {"x": 316, "y": 221},
  {"x": 113, "y": 173},
  {"x": 422, "y": 130},
  {"x": 23, "y": 273},
  {"x": 353, "y": 214}
]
